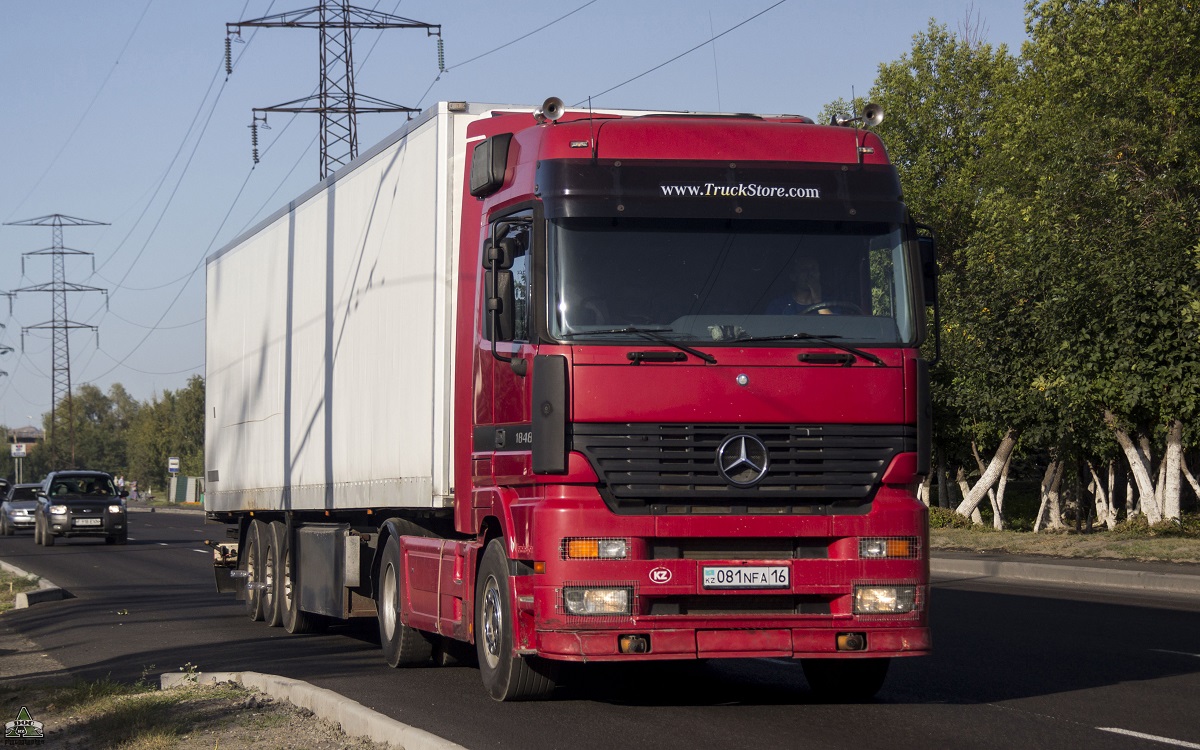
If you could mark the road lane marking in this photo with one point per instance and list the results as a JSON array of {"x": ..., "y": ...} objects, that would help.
[
  {"x": 162, "y": 544},
  {"x": 1177, "y": 653},
  {"x": 201, "y": 551},
  {"x": 1151, "y": 737}
]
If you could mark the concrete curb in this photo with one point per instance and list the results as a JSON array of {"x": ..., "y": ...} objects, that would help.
[
  {"x": 46, "y": 591},
  {"x": 353, "y": 717},
  {"x": 1078, "y": 575}
]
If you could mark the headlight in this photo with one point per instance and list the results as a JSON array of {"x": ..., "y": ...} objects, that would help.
[
  {"x": 895, "y": 548},
  {"x": 595, "y": 549},
  {"x": 58, "y": 510},
  {"x": 587, "y": 601},
  {"x": 884, "y": 600},
  {"x": 115, "y": 508}
]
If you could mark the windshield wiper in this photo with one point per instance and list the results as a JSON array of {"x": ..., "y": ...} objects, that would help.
[
  {"x": 654, "y": 334},
  {"x": 827, "y": 340}
]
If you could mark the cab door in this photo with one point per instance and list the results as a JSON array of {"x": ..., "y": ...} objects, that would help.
[{"x": 509, "y": 333}]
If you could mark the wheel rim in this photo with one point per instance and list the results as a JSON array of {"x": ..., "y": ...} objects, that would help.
[
  {"x": 493, "y": 621},
  {"x": 253, "y": 598},
  {"x": 387, "y": 596},
  {"x": 287, "y": 581},
  {"x": 269, "y": 575}
]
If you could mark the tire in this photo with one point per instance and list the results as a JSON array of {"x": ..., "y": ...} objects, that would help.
[
  {"x": 845, "y": 679},
  {"x": 37, "y": 530},
  {"x": 402, "y": 645},
  {"x": 252, "y": 564},
  {"x": 506, "y": 676},
  {"x": 5, "y": 529},
  {"x": 270, "y": 573},
  {"x": 294, "y": 620},
  {"x": 47, "y": 535}
]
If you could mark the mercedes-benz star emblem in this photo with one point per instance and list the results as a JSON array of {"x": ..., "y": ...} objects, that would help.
[{"x": 743, "y": 460}]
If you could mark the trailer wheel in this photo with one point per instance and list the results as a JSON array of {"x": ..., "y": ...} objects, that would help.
[
  {"x": 845, "y": 679},
  {"x": 252, "y": 564},
  {"x": 507, "y": 676},
  {"x": 270, "y": 572},
  {"x": 295, "y": 620},
  {"x": 402, "y": 645}
]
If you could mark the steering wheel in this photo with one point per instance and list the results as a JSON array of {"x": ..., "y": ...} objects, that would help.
[{"x": 834, "y": 305}]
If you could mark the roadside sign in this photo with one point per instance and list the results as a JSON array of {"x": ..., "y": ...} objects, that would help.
[
  {"x": 173, "y": 464},
  {"x": 18, "y": 450}
]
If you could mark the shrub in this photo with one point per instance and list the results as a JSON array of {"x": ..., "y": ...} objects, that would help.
[{"x": 946, "y": 518}]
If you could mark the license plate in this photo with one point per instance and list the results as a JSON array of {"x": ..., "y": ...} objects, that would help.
[
  {"x": 747, "y": 577},
  {"x": 88, "y": 521}
]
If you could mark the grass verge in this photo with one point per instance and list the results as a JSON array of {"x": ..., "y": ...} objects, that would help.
[
  {"x": 104, "y": 714},
  {"x": 1097, "y": 545},
  {"x": 11, "y": 585}
]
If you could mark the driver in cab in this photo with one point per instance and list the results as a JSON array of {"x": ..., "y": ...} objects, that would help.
[{"x": 805, "y": 294}]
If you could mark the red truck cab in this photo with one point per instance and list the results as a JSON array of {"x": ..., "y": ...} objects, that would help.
[{"x": 690, "y": 408}]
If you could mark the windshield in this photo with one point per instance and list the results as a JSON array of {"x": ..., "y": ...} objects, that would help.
[
  {"x": 725, "y": 281},
  {"x": 23, "y": 493},
  {"x": 94, "y": 486}
]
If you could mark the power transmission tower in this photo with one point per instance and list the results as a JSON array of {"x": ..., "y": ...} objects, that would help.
[
  {"x": 337, "y": 102},
  {"x": 60, "y": 325}
]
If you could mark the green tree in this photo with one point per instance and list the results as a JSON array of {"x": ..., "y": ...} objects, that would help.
[
  {"x": 939, "y": 100},
  {"x": 1091, "y": 203}
]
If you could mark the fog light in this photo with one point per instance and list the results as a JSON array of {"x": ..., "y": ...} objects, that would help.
[
  {"x": 634, "y": 644},
  {"x": 892, "y": 600},
  {"x": 851, "y": 641},
  {"x": 586, "y": 601},
  {"x": 595, "y": 549},
  {"x": 902, "y": 548}
]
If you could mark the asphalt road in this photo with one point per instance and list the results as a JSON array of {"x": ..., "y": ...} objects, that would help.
[{"x": 1013, "y": 666}]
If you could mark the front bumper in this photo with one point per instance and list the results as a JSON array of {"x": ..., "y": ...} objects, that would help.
[
  {"x": 733, "y": 643},
  {"x": 77, "y": 524},
  {"x": 20, "y": 522},
  {"x": 680, "y": 618}
]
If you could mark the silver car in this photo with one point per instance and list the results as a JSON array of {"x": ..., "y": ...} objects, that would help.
[{"x": 16, "y": 512}]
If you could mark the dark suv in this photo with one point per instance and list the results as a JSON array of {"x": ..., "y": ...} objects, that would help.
[{"x": 80, "y": 503}]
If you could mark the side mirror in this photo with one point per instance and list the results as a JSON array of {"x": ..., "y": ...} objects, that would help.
[
  {"x": 501, "y": 306},
  {"x": 489, "y": 162},
  {"x": 500, "y": 252},
  {"x": 927, "y": 248},
  {"x": 929, "y": 269},
  {"x": 122, "y": 494}
]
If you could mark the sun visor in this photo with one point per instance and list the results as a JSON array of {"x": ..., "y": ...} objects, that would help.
[{"x": 833, "y": 192}]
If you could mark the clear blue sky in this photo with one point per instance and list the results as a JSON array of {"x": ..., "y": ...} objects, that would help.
[{"x": 120, "y": 112}]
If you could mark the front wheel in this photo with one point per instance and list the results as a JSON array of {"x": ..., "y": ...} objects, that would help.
[
  {"x": 5, "y": 529},
  {"x": 402, "y": 645},
  {"x": 507, "y": 676},
  {"x": 37, "y": 530},
  {"x": 845, "y": 679}
]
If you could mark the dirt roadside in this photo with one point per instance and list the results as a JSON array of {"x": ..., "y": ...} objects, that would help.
[{"x": 101, "y": 715}]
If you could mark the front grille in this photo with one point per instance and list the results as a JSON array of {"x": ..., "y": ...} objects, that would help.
[{"x": 672, "y": 468}]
